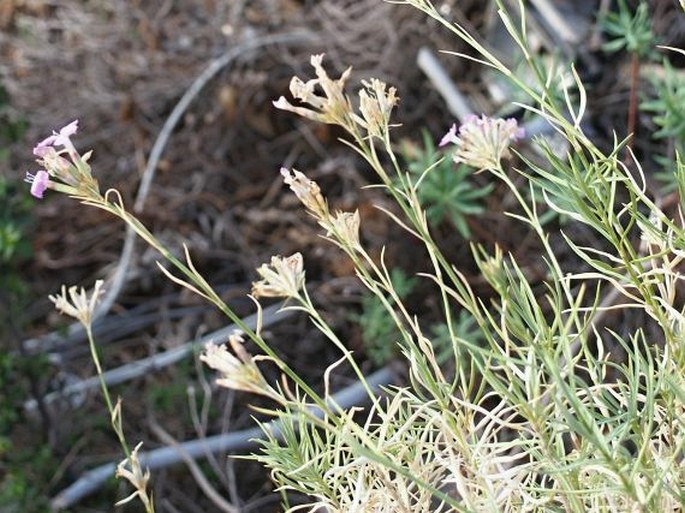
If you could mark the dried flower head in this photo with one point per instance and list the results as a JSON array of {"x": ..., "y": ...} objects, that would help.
[
  {"x": 238, "y": 373},
  {"x": 284, "y": 277},
  {"x": 137, "y": 478},
  {"x": 375, "y": 105},
  {"x": 77, "y": 304},
  {"x": 307, "y": 191},
  {"x": 482, "y": 142},
  {"x": 346, "y": 227},
  {"x": 333, "y": 107}
]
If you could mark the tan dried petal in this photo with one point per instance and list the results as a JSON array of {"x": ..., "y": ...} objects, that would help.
[
  {"x": 136, "y": 477},
  {"x": 307, "y": 191},
  {"x": 284, "y": 277},
  {"x": 375, "y": 105},
  {"x": 304, "y": 91},
  {"x": 77, "y": 304},
  {"x": 337, "y": 103},
  {"x": 333, "y": 107},
  {"x": 239, "y": 373},
  {"x": 284, "y": 104},
  {"x": 346, "y": 226},
  {"x": 219, "y": 359}
]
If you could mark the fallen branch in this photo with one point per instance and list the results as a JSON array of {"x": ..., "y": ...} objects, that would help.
[
  {"x": 271, "y": 315},
  {"x": 91, "y": 481}
]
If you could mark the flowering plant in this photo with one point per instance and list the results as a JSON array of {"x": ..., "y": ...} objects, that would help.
[
  {"x": 483, "y": 141},
  {"x": 550, "y": 408},
  {"x": 70, "y": 175}
]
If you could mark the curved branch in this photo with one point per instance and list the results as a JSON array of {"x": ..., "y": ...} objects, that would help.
[
  {"x": 75, "y": 332},
  {"x": 207, "y": 74}
]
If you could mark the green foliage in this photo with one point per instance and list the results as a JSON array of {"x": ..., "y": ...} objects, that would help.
[
  {"x": 380, "y": 334},
  {"x": 12, "y": 126},
  {"x": 666, "y": 104},
  {"x": 15, "y": 218},
  {"x": 25, "y": 470},
  {"x": 679, "y": 178},
  {"x": 299, "y": 463},
  {"x": 18, "y": 488},
  {"x": 15, "y": 374},
  {"x": 167, "y": 397},
  {"x": 630, "y": 31},
  {"x": 15, "y": 207},
  {"x": 465, "y": 327},
  {"x": 446, "y": 190}
]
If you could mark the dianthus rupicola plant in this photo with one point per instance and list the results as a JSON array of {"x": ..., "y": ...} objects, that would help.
[{"x": 553, "y": 409}]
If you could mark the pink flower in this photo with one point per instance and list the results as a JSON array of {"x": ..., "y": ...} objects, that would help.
[
  {"x": 483, "y": 141},
  {"x": 41, "y": 149},
  {"x": 39, "y": 182},
  {"x": 449, "y": 137},
  {"x": 60, "y": 138}
]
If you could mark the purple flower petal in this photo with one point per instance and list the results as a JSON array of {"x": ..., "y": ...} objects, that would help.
[
  {"x": 483, "y": 141},
  {"x": 62, "y": 138},
  {"x": 42, "y": 147},
  {"x": 520, "y": 134},
  {"x": 39, "y": 182},
  {"x": 449, "y": 137},
  {"x": 70, "y": 129}
]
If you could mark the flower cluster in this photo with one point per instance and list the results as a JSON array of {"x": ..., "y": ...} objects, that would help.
[
  {"x": 307, "y": 191},
  {"x": 284, "y": 277},
  {"x": 343, "y": 225},
  {"x": 238, "y": 373},
  {"x": 64, "y": 169},
  {"x": 483, "y": 141},
  {"x": 333, "y": 107},
  {"x": 77, "y": 304},
  {"x": 375, "y": 105},
  {"x": 376, "y": 101},
  {"x": 137, "y": 478}
]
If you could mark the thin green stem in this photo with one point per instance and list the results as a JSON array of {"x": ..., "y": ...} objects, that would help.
[
  {"x": 208, "y": 292},
  {"x": 105, "y": 391}
]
